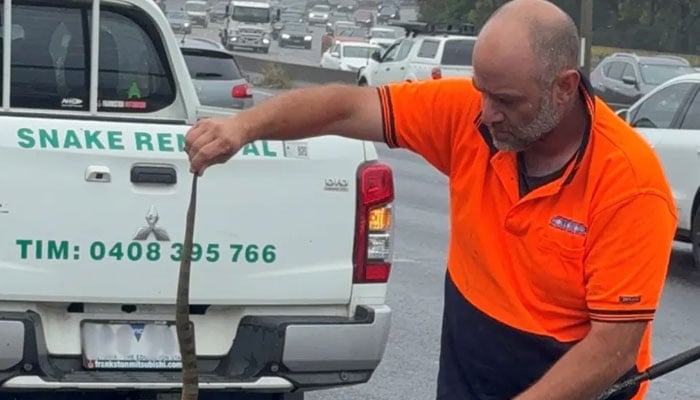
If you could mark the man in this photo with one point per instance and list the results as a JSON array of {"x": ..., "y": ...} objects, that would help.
[{"x": 562, "y": 221}]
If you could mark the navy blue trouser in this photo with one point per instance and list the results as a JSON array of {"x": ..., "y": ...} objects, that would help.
[{"x": 484, "y": 359}]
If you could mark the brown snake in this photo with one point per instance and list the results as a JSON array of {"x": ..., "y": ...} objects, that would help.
[{"x": 185, "y": 328}]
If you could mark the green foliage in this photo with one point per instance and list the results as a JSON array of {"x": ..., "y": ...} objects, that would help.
[
  {"x": 273, "y": 76},
  {"x": 656, "y": 25}
]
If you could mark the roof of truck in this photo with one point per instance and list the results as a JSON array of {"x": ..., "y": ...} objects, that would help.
[{"x": 251, "y": 4}]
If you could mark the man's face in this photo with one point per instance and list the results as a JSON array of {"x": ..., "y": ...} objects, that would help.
[
  {"x": 518, "y": 105},
  {"x": 518, "y": 112}
]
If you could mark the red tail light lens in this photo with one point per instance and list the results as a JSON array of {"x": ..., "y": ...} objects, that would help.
[
  {"x": 373, "y": 248},
  {"x": 241, "y": 91}
]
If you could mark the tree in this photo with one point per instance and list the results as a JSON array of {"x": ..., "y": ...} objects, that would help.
[{"x": 656, "y": 25}]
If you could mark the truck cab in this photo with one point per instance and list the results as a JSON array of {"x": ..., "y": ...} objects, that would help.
[
  {"x": 292, "y": 247},
  {"x": 249, "y": 25},
  {"x": 429, "y": 51}
]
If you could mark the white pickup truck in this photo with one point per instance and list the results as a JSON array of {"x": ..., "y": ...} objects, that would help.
[
  {"x": 293, "y": 239},
  {"x": 427, "y": 52}
]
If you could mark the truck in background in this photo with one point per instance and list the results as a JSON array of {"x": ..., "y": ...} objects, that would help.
[
  {"x": 199, "y": 12},
  {"x": 429, "y": 51},
  {"x": 249, "y": 24}
]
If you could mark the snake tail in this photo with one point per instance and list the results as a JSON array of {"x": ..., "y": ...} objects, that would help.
[{"x": 185, "y": 327}]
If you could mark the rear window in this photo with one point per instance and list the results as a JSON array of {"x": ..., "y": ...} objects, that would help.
[
  {"x": 50, "y": 59},
  {"x": 211, "y": 66},
  {"x": 428, "y": 49},
  {"x": 656, "y": 74},
  {"x": 458, "y": 52},
  {"x": 358, "y": 51},
  {"x": 353, "y": 32},
  {"x": 195, "y": 6}
]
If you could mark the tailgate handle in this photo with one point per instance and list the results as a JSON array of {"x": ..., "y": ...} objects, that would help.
[{"x": 153, "y": 174}]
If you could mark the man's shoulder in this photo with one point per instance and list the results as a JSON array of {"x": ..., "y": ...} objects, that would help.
[
  {"x": 448, "y": 89},
  {"x": 623, "y": 162}
]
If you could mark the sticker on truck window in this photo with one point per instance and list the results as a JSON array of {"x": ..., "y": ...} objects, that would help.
[
  {"x": 117, "y": 140},
  {"x": 138, "y": 251}
]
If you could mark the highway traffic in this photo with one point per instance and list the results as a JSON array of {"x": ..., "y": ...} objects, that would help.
[
  {"x": 409, "y": 368},
  {"x": 287, "y": 55}
]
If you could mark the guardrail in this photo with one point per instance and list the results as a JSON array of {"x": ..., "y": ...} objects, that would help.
[{"x": 297, "y": 72}]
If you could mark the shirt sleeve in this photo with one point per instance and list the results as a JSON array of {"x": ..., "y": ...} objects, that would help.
[
  {"x": 626, "y": 266},
  {"x": 425, "y": 116}
]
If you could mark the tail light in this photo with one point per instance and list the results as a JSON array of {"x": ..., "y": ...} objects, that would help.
[
  {"x": 373, "y": 250},
  {"x": 241, "y": 91},
  {"x": 436, "y": 73}
]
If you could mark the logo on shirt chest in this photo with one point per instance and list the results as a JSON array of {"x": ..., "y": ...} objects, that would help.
[{"x": 568, "y": 225}]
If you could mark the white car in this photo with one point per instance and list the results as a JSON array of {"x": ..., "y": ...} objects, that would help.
[
  {"x": 348, "y": 56},
  {"x": 669, "y": 118},
  {"x": 319, "y": 14},
  {"x": 382, "y": 36}
]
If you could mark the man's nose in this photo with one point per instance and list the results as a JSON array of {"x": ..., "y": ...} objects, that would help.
[{"x": 490, "y": 114}]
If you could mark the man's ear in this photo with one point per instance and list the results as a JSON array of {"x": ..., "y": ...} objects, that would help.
[{"x": 566, "y": 87}]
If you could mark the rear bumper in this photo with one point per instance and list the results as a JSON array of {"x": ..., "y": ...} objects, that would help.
[
  {"x": 198, "y": 19},
  {"x": 318, "y": 20},
  {"x": 295, "y": 42},
  {"x": 242, "y": 104},
  {"x": 257, "y": 43},
  {"x": 269, "y": 354},
  {"x": 385, "y": 19}
]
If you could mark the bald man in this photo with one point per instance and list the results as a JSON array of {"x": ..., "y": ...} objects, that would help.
[{"x": 562, "y": 221}]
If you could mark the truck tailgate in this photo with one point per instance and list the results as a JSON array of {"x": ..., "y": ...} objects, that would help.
[{"x": 90, "y": 213}]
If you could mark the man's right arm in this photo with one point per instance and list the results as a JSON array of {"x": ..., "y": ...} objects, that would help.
[
  {"x": 349, "y": 111},
  {"x": 422, "y": 117}
]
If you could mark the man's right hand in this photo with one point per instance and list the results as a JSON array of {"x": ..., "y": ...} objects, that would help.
[{"x": 213, "y": 141}]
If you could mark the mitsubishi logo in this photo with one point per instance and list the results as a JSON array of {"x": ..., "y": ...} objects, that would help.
[
  {"x": 145, "y": 231},
  {"x": 138, "y": 330}
]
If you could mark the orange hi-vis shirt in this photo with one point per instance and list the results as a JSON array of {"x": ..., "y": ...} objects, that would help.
[{"x": 591, "y": 245}]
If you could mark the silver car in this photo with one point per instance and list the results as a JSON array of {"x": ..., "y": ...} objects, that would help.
[
  {"x": 319, "y": 14},
  {"x": 179, "y": 21},
  {"x": 215, "y": 74}
]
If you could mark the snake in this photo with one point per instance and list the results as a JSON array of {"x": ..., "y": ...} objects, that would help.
[{"x": 185, "y": 327}]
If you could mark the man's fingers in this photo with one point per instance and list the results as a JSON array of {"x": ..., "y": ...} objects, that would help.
[
  {"x": 208, "y": 143},
  {"x": 203, "y": 136},
  {"x": 194, "y": 133},
  {"x": 206, "y": 156}
]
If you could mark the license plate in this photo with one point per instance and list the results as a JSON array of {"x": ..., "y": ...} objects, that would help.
[{"x": 130, "y": 345}]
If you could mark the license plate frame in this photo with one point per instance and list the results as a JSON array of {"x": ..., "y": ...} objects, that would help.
[{"x": 96, "y": 354}]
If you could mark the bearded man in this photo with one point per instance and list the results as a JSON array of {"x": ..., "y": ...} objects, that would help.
[{"x": 562, "y": 220}]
